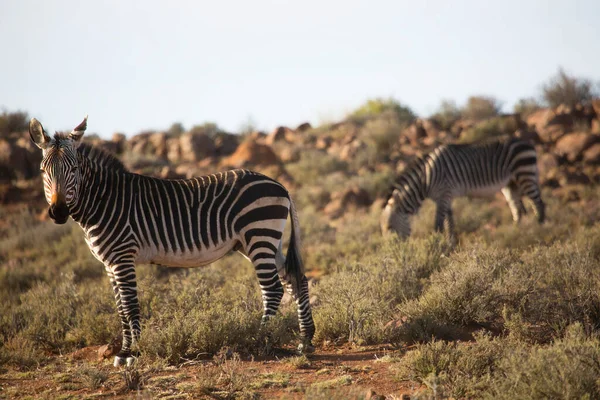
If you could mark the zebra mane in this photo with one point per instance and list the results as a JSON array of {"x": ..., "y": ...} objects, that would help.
[{"x": 101, "y": 157}]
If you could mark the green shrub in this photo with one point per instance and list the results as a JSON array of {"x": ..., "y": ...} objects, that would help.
[
  {"x": 314, "y": 165},
  {"x": 379, "y": 106},
  {"x": 456, "y": 370},
  {"x": 568, "y": 368},
  {"x": 493, "y": 128},
  {"x": 358, "y": 301}
]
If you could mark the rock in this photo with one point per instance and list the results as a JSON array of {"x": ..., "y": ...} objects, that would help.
[
  {"x": 196, "y": 146},
  {"x": 256, "y": 136},
  {"x": 547, "y": 165},
  {"x": 529, "y": 135},
  {"x": 289, "y": 154},
  {"x": 372, "y": 395},
  {"x": 281, "y": 133},
  {"x": 595, "y": 126},
  {"x": 19, "y": 160},
  {"x": 173, "y": 149},
  {"x": 432, "y": 128},
  {"x": 226, "y": 143},
  {"x": 169, "y": 173},
  {"x": 415, "y": 132},
  {"x": 251, "y": 153},
  {"x": 345, "y": 200},
  {"x": 120, "y": 143},
  {"x": 304, "y": 127},
  {"x": 572, "y": 145},
  {"x": 549, "y": 125},
  {"x": 323, "y": 142},
  {"x": 350, "y": 150},
  {"x": 592, "y": 154}
]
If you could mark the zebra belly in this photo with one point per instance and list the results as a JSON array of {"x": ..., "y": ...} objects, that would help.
[
  {"x": 487, "y": 191},
  {"x": 195, "y": 258}
]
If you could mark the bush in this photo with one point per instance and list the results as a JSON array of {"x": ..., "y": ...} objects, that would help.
[
  {"x": 358, "y": 301},
  {"x": 314, "y": 165},
  {"x": 12, "y": 122},
  {"x": 447, "y": 114},
  {"x": 502, "y": 368},
  {"x": 526, "y": 106},
  {"x": 544, "y": 290},
  {"x": 481, "y": 107},
  {"x": 198, "y": 314},
  {"x": 491, "y": 129},
  {"x": 379, "y": 106},
  {"x": 566, "y": 89}
]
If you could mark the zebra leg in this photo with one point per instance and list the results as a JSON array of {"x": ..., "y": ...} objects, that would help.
[
  {"x": 444, "y": 221},
  {"x": 531, "y": 189},
  {"x": 125, "y": 288},
  {"x": 440, "y": 213},
  {"x": 449, "y": 228},
  {"x": 513, "y": 198}
]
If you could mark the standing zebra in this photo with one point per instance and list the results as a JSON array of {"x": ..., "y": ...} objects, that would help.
[
  {"x": 457, "y": 170},
  {"x": 129, "y": 218}
]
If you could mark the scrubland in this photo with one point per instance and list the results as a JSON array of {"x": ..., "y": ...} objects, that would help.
[{"x": 514, "y": 310}]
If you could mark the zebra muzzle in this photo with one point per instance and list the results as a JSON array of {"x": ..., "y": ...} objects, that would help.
[{"x": 59, "y": 212}]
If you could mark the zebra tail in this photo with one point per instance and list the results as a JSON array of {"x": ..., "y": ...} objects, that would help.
[{"x": 294, "y": 268}]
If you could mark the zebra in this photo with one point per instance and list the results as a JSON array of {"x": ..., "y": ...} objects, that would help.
[
  {"x": 129, "y": 218},
  {"x": 456, "y": 170}
]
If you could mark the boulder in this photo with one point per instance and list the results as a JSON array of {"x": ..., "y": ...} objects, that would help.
[
  {"x": 572, "y": 145},
  {"x": 592, "y": 154},
  {"x": 226, "y": 143},
  {"x": 304, "y": 127},
  {"x": 415, "y": 132},
  {"x": 281, "y": 133},
  {"x": 547, "y": 166},
  {"x": 349, "y": 199},
  {"x": 194, "y": 146},
  {"x": 120, "y": 143},
  {"x": 251, "y": 153},
  {"x": 289, "y": 154},
  {"x": 19, "y": 160},
  {"x": 432, "y": 128}
]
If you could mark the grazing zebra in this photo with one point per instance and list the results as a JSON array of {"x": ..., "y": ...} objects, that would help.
[
  {"x": 456, "y": 170},
  {"x": 129, "y": 218}
]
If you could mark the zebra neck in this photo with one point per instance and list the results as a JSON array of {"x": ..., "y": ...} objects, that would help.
[
  {"x": 98, "y": 192},
  {"x": 412, "y": 188}
]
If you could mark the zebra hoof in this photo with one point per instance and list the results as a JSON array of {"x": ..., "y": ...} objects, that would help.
[
  {"x": 124, "y": 361},
  {"x": 305, "y": 348}
]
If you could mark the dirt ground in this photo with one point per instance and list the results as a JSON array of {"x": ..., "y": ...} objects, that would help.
[{"x": 335, "y": 372}]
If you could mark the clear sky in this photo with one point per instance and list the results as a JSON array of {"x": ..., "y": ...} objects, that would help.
[{"x": 135, "y": 65}]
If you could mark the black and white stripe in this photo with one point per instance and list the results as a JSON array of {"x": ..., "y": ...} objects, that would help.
[
  {"x": 457, "y": 170},
  {"x": 129, "y": 218}
]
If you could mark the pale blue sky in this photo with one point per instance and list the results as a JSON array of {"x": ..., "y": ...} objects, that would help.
[{"x": 134, "y": 65}]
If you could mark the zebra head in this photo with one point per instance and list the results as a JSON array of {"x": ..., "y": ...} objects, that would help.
[
  {"x": 393, "y": 220},
  {"x": 59, "y": 167}
]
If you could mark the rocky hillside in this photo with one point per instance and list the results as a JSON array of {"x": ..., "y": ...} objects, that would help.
[{"x": 346, "y": 164}]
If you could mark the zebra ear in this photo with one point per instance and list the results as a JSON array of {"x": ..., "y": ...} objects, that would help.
[
  {"x": 79, "y": 130},
  {"x": 38, "y": 134}
]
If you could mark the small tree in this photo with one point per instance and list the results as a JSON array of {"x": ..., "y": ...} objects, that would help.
[
  {"x": 176, "y": 129},
  {"x": 376, "y": 107},
  {"x": 569, "y": 90},
  {"x": 447, "y": 114},
  {"x": 526, "y": 106},
  {"x": 481, "y": 107}
]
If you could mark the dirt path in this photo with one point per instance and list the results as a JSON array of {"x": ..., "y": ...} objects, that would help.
[{"x": 332, "y": 373}]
